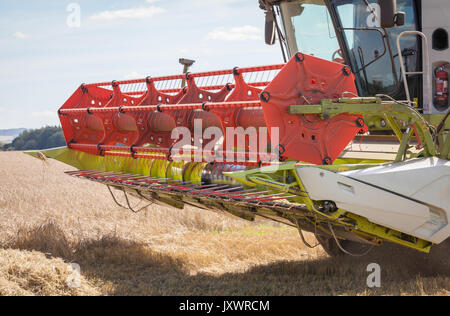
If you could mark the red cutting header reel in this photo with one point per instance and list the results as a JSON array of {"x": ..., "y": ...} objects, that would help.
[{"x": 147, "y": 115}]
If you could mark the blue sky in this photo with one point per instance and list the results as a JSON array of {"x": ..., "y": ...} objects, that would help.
[{"x": 43, "y": 60}]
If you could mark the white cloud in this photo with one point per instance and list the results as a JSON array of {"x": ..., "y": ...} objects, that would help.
[
  {"x": 6, "y": 110},
  {"x": 44, "y": 114},
  {"x": 133, "y": 75},
  {"x": 20, "y": 35},
  {"x": 135, "y": 13},
  {"x": 214, "y": 3},
  {"x": 242, "y": 33}
]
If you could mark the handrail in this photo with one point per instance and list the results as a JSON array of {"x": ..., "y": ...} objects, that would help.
[{"x": 428, "y": 89}]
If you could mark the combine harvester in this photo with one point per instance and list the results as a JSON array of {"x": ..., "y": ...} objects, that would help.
[{"x": 348, "y": 140}]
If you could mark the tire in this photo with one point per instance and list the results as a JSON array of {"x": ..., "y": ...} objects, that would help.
[
  {"x": 333, "y": 250},
  {"x": 437, "y": 262},
  {"x": 439, "y": 258}
]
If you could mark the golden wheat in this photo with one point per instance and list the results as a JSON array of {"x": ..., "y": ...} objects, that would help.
[
  {"x": 49, "y": 220},
  {"x": 32, "y": 273}
]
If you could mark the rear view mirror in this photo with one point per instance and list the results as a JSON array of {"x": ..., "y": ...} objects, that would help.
[
  {"x": 388, "y": 8},
  {"x": 270, "y": 28},
  {"x": 389, "y": 15}
]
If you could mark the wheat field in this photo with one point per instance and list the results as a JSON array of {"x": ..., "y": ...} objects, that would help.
[{"x": 49, "y": 220}]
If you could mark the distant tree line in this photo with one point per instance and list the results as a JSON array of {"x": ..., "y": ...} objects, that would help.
[{"x": 38, "y": 139}]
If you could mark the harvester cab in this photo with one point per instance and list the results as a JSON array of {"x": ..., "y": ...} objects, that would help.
[
  {"x": 394, "y": 48},
  {"x": 348, "y": 139}
]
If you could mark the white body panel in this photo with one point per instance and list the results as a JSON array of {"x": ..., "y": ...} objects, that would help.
[{"x": 412, "y": 197}]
